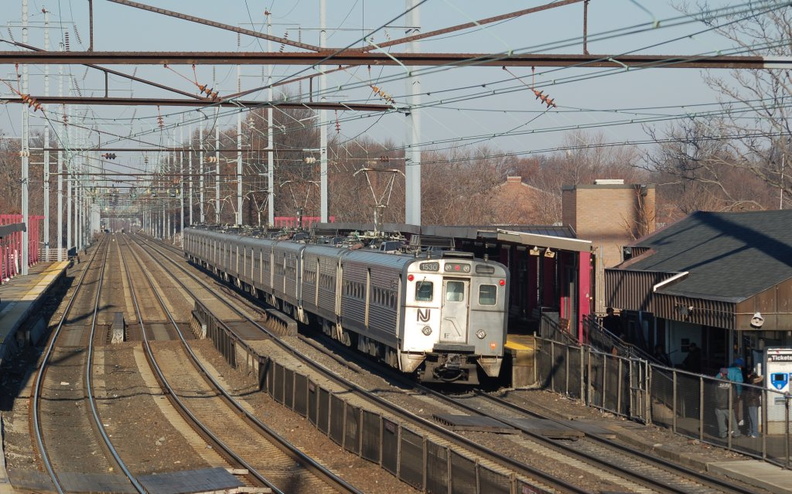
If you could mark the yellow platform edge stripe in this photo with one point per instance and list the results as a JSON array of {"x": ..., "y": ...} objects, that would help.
[
  {"x": 513, "y": 345},
  {"x": 49, "y": 275}
]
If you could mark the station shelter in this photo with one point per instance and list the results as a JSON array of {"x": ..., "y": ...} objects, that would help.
[{"x": 720, "y": 280}]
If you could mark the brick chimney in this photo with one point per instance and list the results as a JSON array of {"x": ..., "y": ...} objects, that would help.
[{"x": 610, "y": 213}]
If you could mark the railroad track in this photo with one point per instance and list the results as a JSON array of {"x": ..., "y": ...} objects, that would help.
[
  {"x": 66, "y": 376},
  {"x": 83, "y": 434},
  {"x": 570, "y": 444},
  {"x": 244, "y": 440},
  {"x": 596, "y": 447}
]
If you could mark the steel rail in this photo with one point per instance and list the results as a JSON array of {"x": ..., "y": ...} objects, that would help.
[
  {"x": 306, "y": 461},
  {"x": 171, "y": 393},
  {"x": 657, "y": 462},
  {"x": 602, "y": 462},
  {"x": 89, "y": 383},
  {"x": 38, "y": 385}
]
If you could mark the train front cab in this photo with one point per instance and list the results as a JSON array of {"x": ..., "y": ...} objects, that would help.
[{"x": 454, "y": 319}]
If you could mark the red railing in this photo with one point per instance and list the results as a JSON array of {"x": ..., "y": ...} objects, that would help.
[{"x": 11, "y": 245}]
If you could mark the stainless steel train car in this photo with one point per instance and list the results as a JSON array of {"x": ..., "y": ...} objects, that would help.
[{"x": 442, "y": 318}]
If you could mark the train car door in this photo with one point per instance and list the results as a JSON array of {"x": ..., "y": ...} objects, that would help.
[{"x": 454, "y": 323}]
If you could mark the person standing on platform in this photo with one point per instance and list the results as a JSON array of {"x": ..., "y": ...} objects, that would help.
[
  {"x": 753, "y": 400},
  {"x": 736, "y": 375},
  {"x": 724, "y": 394},
  {"x": 612, "y": 323}
]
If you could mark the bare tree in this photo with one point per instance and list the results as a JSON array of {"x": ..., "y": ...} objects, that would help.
[
  {"x": 356, "y": 195},
  {"x": 755, "y": 126},
  {"x": 697, "y": 170},
  {"x": 455, "y": 186}
]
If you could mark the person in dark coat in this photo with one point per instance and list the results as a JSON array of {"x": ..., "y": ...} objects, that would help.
[
  {"x": 752, "y": 395},
  {"x": 612, "y": 323},
  {"x": 724, "y": 397}
]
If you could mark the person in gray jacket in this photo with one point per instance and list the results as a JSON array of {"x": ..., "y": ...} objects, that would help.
[{"x": 725, "y": 400}]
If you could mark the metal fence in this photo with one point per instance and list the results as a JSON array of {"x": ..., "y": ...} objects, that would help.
[
  {"x": 425, "y": 462},
  {"x": 698, "y": 406},
  {"x": 628, "y": 386}
]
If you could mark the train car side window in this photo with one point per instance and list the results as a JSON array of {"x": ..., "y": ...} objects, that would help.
[
  {"x": 488, "y": 295},
  {"x": 455, "y": 291},
  {"x": 424, "y": 291}
]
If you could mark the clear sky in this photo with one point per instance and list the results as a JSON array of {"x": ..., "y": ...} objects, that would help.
[{"x": 464, "y": 107}]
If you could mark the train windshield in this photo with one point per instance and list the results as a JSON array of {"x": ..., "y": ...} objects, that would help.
[
  {"x": 487, "y": 295},
  {"x": 424, "y": 291}
]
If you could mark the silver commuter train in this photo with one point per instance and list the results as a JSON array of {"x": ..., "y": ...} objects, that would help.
[{"x": 442, "y": 318}]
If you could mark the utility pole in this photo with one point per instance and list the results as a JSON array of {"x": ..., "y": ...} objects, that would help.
[
  {"x": 217, "y": 167},
  {"x": 783, "y": 164},
  {"x": 323, "y": 118},
  {"x": 181, "y": 178},
  {"x": 270, "y": 137},
  {"x": 201, "y": 181},
  {"x": 69, "y": 189},
  {"x": 412, "y": 165},
  {"x": 46, "y": 149},
  {"x": 239, "y": 147},
  {"x": 61, "y": 167},
  {"x": 25, "y": 154},
  {"x": 190, "y": 171}
]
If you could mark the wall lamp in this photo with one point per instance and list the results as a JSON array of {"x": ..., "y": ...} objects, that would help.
[
  {"x": 684, "y": 310},
  {"x": 549, "y": 253},
  {"x": 534, "y": 251}
]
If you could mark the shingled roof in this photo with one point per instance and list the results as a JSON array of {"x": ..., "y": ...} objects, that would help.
[{"x": 730, "y": 256}]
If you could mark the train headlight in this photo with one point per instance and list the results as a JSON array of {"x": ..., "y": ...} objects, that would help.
[
  {"x": 426, "y": 330},
  {"x": 481, "y": 334}
]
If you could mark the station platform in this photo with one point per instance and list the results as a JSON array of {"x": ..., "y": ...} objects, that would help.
[
  {"x": 763, "y": 475},
  {"x": 21, "y": 296}
]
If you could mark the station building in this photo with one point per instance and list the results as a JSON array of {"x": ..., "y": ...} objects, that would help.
[{"x": 720, "y": 280}]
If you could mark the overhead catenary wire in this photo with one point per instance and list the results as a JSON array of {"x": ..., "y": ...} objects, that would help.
[
  {"x": 441, "y": 104},
  {"x": 475, "y": 95}
]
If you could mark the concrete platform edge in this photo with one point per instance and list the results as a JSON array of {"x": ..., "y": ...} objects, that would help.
[
  {"x": 757, "y": 473},
  {"x": 5, "y": 483}
]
